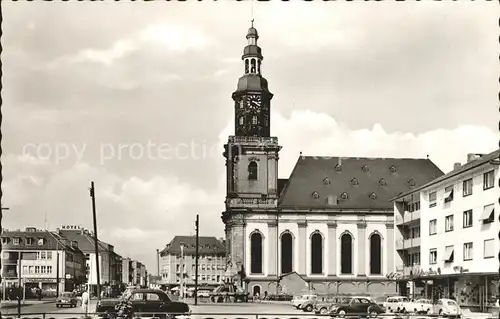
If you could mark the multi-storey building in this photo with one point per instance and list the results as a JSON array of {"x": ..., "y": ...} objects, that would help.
[
  {"x": 36, "y": 253},
  {"x": 447, "y": 234},
  {"x": 138, "y": 273},
  {"x": 331, "y": 222},
  {"x": 127, "y": 271},
  {"x": 109, "y": 261},
  {"x": 176, "y": 262}
]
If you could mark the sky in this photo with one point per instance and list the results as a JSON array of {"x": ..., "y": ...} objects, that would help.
[{"x": 137, "y": 98}]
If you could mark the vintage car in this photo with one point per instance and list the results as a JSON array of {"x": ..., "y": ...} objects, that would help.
[
  {"x": 396, "y": 304},
  {"x": 356, "y": 306},
  {"x": 447, "y": 308},
  {"x": 144, "y": 301},
  {"x": 298, "y": 301},
  {"x": 67, "y": 299},
  {"x": 419, "y": 306},
  {"x": 322, "y": 307}
]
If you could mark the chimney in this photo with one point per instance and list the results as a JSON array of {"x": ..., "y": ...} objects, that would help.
[
  {"x": 472, "y": 157},
  {"x": 456, "y": 166}
]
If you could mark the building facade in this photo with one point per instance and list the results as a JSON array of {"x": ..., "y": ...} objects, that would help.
[
  {"x": 109, "y": 261},
  {"x": 331, "y": 223},
  {"x": 458, "y": 246},
  {"x": 177, "y": 264},
  {"x": 45, "y": 260},
  {"x": 127, "y": 271},
  {"x": 138, "y": 273}
]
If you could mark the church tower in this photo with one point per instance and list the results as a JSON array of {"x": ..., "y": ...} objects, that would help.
[{"x": 251, "y": 157}]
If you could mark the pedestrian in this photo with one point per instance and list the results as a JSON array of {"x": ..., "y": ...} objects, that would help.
[
  {"x": 85, "y": 300},
  {"x": 39, "y": 293}
]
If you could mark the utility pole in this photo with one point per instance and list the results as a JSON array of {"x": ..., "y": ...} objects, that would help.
[
  {"x": 57, "y": 269},
  {"x": 197, "y": 225},
  {"x": 181, "y": 290},
  {"x": 19, "y": 258},
  {"x": 1, "y": 231},
  {"x": 96, "y": 241}
]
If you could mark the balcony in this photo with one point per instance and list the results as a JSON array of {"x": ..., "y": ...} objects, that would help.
[
  {"x": 407, "y": 243},
  {"x": 407, "y": 217}
]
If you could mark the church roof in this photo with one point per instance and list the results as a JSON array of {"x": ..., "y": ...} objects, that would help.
[
  {"x": 207, "y": 246},
  {"x": 354, "y": 183},
  {"x": 252, "y": 83}
]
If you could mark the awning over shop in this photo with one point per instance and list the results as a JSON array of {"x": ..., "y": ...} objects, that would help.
[{"x": 487, "y": 212}]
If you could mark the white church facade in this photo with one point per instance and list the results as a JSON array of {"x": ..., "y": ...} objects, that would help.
[{"x": 331, "y": 223}]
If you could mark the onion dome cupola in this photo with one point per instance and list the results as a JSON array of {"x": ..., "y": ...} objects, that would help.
[{"x": 252, "y": 96}]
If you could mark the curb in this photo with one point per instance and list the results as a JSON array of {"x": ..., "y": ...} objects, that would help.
[{"x": 14, "y": 305}]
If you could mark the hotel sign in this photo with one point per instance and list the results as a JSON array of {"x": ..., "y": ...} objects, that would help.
[{"x": 71, "y": 227}]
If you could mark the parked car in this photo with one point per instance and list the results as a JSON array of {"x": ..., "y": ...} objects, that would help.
[
  {"x": 307, "y": 303},
  {"x": 153, "y": 301},
  {"x": 297, "y": 301},
  {"x": 203, "y": 293},
  {"x": 396, "y": 304},
  {"x": 356, "y": 306},
  {"x": 447, "y": 308},
  {"x": 419, "y": 306},
  {"x": 67, "y": 299},
  {"x": 323, "y": 306}
]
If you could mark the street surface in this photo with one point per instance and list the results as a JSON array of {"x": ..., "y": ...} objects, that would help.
[{"x": 204, "y": 310}]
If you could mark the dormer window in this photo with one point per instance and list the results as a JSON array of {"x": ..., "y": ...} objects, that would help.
[
  {"x": 338, "y": 168},
  {"x": 326, "y": 181},
  {"x": 411, "y": 182},
  {"x": 365, "y": 168},
  {"x": 392, "y": 169},
  {"x": 382, "y": 182},
  {"x": 344, "y": 195},
  {"x": 373, "y": 196},
  {"x": 5, "y": 240},
  {"x": 29, "y": 241},
  {"x": 41, "y": 241},
  {"x": 354, "y": 181},
  {"x": 252, "y": 170},
  {"x": 16, "y": 241},
  {"x": 315, "y": 195}
]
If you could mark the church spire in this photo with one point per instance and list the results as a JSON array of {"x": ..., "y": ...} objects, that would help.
[{"x": 252, "y": 97}]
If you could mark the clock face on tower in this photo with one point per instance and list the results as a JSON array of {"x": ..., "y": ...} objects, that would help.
[{"x": 254, "y": 101}]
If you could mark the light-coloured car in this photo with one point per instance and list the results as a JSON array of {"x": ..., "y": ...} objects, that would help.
[
  {"x": 396, "y": 304},
  {"x": 420, "y": 306},
  {"x": 299, "y": 300},
  {"x": 447, "y": 308}
]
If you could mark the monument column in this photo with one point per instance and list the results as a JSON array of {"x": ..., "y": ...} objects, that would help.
[
  {"x": 272, "y": 245},
  {"x": 361, "y": 248},
  {"x": 332, "y": 248},
  {"x": 390, "y": 247},
  {"x": 302, "y": 241}
]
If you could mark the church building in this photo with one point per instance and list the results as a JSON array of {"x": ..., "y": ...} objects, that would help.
[{"x": 330, "y": 225}]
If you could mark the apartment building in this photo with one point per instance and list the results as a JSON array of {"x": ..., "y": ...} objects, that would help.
[
  {"x": 36, "y": 253},
  {"x": 176, "y": 262},
  {"x": 447, "y": 234},
  {"x": 109, "y": 261}
]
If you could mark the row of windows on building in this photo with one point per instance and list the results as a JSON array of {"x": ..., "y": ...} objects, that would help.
[
  {"x": 467, "y": 189},
  {"x": 486, "y": 217},
  {"x": 37, "y": 270},
  {"x": 16, "y": 241},
  {"x": 449, "y": 253},
  {"x": 202, "y": 267},
  {"x": 316, "y": 253},
  {"x": 255, "y": 120}
]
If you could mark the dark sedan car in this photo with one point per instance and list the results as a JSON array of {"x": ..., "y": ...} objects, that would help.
[
  {"x": 144, "y": 301},
  {"x": 359, "y": 306},
  {"x": 66, "y": 299}
]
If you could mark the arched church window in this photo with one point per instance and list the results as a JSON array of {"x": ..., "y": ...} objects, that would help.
[
  {"x": 375, "y": 254},
  {"x": 286, "y": 253},
  {"x": 346, "y": 254},
  {"x": 252, "y": 170},
  {"x": 316, "y": 254},
  {"x": 252, "y": 68},
  {"x": 258, "y": 66},
  {"x": 246, "y": 66},
  {"x": 254, "y": 120},
  {"x": 256, "y": 253},
  {"x": 241, "y": 120}
]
